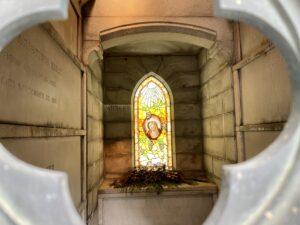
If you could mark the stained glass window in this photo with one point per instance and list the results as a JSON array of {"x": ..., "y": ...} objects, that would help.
[{"x": 152, "y": 124}]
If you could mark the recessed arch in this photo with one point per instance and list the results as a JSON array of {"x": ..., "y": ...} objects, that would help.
[
  {"x": 153, "y": 147},
  {"x": 158, "y": 31}
]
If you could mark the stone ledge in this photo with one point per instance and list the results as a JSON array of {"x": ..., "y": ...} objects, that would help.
[{"x": 200, "y": 187}]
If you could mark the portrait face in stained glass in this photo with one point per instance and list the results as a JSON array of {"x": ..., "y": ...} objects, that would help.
[{"x": 152, "y": 124}]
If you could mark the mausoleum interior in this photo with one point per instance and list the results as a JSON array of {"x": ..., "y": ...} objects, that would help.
[{"x": 141, "y": 84}]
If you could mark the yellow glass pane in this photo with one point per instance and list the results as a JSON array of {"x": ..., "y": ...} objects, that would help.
[{"x": 152, "y": 115}]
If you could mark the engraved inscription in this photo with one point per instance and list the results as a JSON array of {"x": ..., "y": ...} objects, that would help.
[
  {"x": 38, "y": 54},
  {"x": 35, "y": 74},
  {"x": 12, "y": 84},
  {"x": 117, "y": 108},
  {"x": 37, "y": 81}
]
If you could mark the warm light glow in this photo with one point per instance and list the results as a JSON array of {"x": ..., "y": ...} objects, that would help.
[{"x": 152, "y": 124}]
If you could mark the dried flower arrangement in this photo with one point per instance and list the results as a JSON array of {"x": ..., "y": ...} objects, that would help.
[{"x": 152, "y": 179}]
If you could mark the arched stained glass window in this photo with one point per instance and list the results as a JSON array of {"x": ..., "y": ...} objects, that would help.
[{"x": 152, "y": 116}]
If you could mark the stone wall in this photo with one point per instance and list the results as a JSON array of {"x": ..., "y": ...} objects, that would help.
[
  {"x": 41, "y": 111},
  {"x": 263, "y": 93},
  {"x": 245, "y": 104},
  {"x": 121, "y": 74},
  {"x": 70, "y": 30},
  {"x": 94, "y": 131},
  {"x": 217, "y": 110}
]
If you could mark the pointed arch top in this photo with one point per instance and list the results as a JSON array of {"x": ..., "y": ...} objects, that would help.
[
  {"x": 152, "y": 123},
  {"x": 157, "y": 77}
]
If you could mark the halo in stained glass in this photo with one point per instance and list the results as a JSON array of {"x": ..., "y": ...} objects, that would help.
[{"x": 152, "y": 124}]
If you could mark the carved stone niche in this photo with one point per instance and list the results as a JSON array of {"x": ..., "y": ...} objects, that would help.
[{"x": 264, "y": 190}]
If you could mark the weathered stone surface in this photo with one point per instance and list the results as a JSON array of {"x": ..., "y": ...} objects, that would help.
[
  {"x": 175, "y": 64},
  {"x": 221, "y": 125},
  {"x": 124, "y": 75},
  {"x": 101, "y": 169},
  {"x": 220, "y": 82},
  {"x": 89, "y": 80},
  {"x": 117, "y": 113},
  {"x": 214, "y": 146},
  {"x": 187, "y": 111},
  {"x": 92, "y": 25},
  {"x": 183, "y": 207},
  {"x": 212, "y": 68},
  {"x": 88, "y": 47},
  {"x": 150, "y": 8},
  {"x": 119, "y": 80},
  {"x": 184, "y": 80},
  {"x": 95, "y": 65},
  {"x": 94, "y": 150},
  {"x": 230, "y": 149},
  {"x": 131, "y": 65},
  {"x": 184, "y": 145},
  {"x": 218, "y": 50},
  {"x": 186, "y": 95},
  {"x": 215, "y": 180},
  {"x": 228, "y": 101},
  {"x": 96, "y": 88},
  {"x": 251, "y": 39},
  {"x": 189, "y": 128},
  {"x": 206, "y": 127},
  {"x": 158, "y": 48},
  {"x": 222, "y": 103},
  {"x": 181, "y": 63},
  {"x": 151, "y": 63},
  {"x": 93, "y": 172},
  {"x": 256, "y": 142},
  {"x": 217, "y": 166},
  {"x": 68, "y": 30},
  {"x": 218, "y": 122},
  {"x": 35, "y": 80},
  {"x": 228, "y": 127},
  {"x": 118, "y": 164},
  {"x": 266, "y": 90},
  {"x": 117, "y": 96},
  {"x": 115, "y": 65},
  {"x": 188, "y": 161},
  {"x": 193, "y": 174},
  {"x": 59, "y": 153},
  {"x": 202, "y": 58},
  {"x": 217, "y": 126},
  {"x": 95, "y": 129},
  {"x": 208, "y": 163},
  {"x": 212, "y": 107},
  {"x": 95, "y": 197},
  {"x": 118, "y": 147},
  {"x": 94, "y": 107},
  {"x": 90, "y": 202},
  {"x": 116, "y": 130},
  {"x": 204, "y": 92}
]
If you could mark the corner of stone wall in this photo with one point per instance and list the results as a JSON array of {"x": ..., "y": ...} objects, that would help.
[
  {"x": 95, "y": 159},
  {"x": 217, "y": 109}
]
